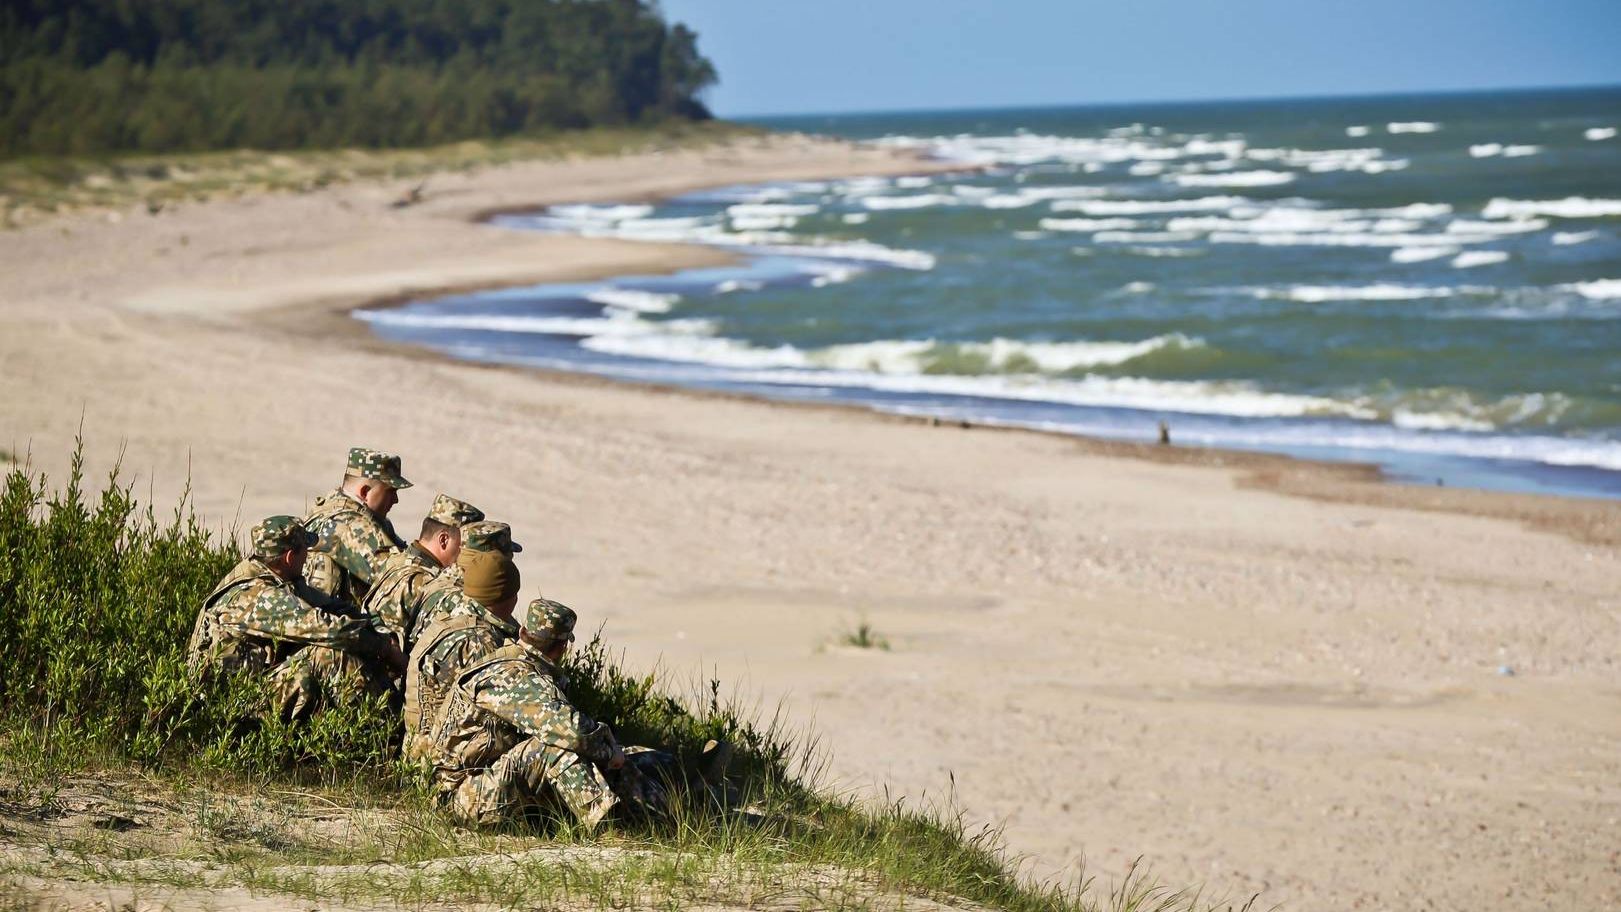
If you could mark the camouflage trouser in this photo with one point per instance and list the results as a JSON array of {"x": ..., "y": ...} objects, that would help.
[
  {"x": 533, "y": 775},
  {"x": 301, "y": 682}
]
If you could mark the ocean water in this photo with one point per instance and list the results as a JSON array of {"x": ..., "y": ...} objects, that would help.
[{"x": 1429, "y": 283}]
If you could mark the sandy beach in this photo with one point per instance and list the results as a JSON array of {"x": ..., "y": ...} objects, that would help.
[{"x": 1256, "y": 673}]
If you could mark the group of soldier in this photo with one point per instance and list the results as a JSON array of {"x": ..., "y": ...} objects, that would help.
[{"x": 336, "y": 604}]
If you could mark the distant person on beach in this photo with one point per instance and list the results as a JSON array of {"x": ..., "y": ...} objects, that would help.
[
  {"x": 508, "y": 741},
  {"x": 465, "y": 623},
  {"x": 396, "y": 593},
  {"x": 263, "y": 619},
  {"x": 353, "y": 534}
]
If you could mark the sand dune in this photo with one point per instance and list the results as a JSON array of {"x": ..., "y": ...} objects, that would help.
[{"x": 1260, "y": 674}]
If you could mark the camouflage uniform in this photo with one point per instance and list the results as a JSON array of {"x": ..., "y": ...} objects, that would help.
[
  {"x": 306, "y": 644},
  {"x": 396, "y": 595},
  {"x": 508, "y": 740},
  {"x": 465, "y": 632},
  {"x": 477, "y": 537},
  {"x": 351, "y": 540}
]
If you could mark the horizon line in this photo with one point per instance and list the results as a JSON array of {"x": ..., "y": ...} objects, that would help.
[{"x": 1233, "y": 99}]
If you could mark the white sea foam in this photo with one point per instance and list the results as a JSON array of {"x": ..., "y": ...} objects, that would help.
[
  {"x": 1569, "y": 207},
  {"x": 915, "y": 201},
  {"x": 1146, "y": 169},
  {"x": 1152, "y": 250},
  {"x": 763, "y": 222},
  {"x": 1517, "y": 226},
  {"x": 1472, "y": 258},
  {"x": 1485, "y": 150},
  {"x": 1318, "y": 161},
  {"x": 753, "y": 210},
  {"x": 1520, "y": 151},
  {"x": 1007, "y": 201},
  {"x": 1029, "y": 235},
  {"x": 733, "y": 285},
  {"x": 1357, "y": 131},
  {"x": 1596, "y": 134},
  {"x": 1147, "y": 207},
  {"x": 1597, "y": 290},
  {"x": 860, "y": 251},
  {"x": 633, "y": 299},
  {"x": 1087, "y": 224},
  {"x": 1432, "y": 421},
  {"x": 1317, "y": 294},
  {"x": 1567, "y": 238},
  {"x": 1235, "y": 179},
  {"x": 1421, "y": 254},
  {"x": 615, "y": 213},
  {"x": 856, "y": 218},
  {"x": 913, "y": 182},
  {"x": 1412, "y": 126},
  {"x": 1144, "y": 237}
]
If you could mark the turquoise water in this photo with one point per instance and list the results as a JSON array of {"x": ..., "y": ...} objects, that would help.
[{"x": 1429, "y": 283}]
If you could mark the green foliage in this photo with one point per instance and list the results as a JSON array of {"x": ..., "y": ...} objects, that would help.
[
  {"x": 93, "y": 76},
  {"x": 864, "y": 637}
]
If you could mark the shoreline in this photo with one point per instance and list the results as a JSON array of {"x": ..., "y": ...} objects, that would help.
[{"x": 1260, "y": 673}]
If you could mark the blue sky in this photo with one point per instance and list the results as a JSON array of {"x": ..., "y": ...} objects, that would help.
[{"x": 777, "y": 56}]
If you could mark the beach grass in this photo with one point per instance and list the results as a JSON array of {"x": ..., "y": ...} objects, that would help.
[
  {"x": 864, "y": 636},
  {"x": 38, "y": 187},
  {"x": 117, "y": 769}
]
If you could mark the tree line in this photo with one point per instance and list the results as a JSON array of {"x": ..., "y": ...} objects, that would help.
[{"x": 84, "y": 77}]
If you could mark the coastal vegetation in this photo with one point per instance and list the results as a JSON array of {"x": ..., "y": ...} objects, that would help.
[
  {"x": 99, "y": 723},
  {"x": 90, "y": 77}
]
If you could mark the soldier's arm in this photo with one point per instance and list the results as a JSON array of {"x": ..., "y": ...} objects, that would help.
[
  {"x": 534, "y": 704},
  {"x": 280, "y": 614}
]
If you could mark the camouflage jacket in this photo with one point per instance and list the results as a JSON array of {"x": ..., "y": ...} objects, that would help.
[
  {"x": 397, "y": 592},
  {"x": 352, "y": 544},
  {"x": 434, "y": 602},
  {"x": 464, "y": 633},
  {"x": 254, "y": 619},
  {"x": 502, "y": 699}
]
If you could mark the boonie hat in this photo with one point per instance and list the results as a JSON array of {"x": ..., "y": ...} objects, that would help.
[
  {"x": 452, "y": 512},
  {"x": 277, "y": 534},
  {"x": 378, "y": 466},
  {"x": 489, "y": 535},
  {"x": 546, "y": 618}
]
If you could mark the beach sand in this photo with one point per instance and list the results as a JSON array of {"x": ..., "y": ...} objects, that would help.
[{"x": 1257, "y": 673}]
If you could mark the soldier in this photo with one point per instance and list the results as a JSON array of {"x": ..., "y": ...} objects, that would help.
[
  {"x": 470, "y": 622},
  {"x": 263, "y": 619},
  {"x": 479, "y": 537},
  {"x": 396, "y": 593},
  {"x": 351, "y": 525},
  {"x": 507, "y": 740}
]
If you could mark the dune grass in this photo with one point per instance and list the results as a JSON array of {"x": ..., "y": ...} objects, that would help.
[
  {"x": 38, "y": 187},
  {"x": 98, "y": 594}
]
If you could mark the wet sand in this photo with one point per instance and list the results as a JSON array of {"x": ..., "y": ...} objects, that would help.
[{"x": 1259, "y": 673}]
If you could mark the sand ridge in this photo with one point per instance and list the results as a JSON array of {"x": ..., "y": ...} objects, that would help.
[{"x": 1178, "y": 656}]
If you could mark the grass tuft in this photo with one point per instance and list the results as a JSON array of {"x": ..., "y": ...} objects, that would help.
[{"x": 864, "y": 637}]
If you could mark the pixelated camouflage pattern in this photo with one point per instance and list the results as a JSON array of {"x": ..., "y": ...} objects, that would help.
[
  {"x": 351, "y": 544},
  {"x": 550, "y": 620},
  {"x": 277, "y": 534},
  {"x": 395, "y": 597},
  {"x": 255, "y": 622},
  {"x": 489, "y": 535},
  {"x": 499, "y": 742},
  {"x": 464, "y": 633},
  {"x": 376, "y": 465},
  {"x": 452, "y": 512}
]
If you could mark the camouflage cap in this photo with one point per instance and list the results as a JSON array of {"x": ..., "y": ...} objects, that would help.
[
  {"x": 452, "y": 512},
  {"x": 550, "y": 620},
  {"x": 376, "y": 465},
  {"x": 277, "y": 534},
  {"x": 489, "y": 535}
]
